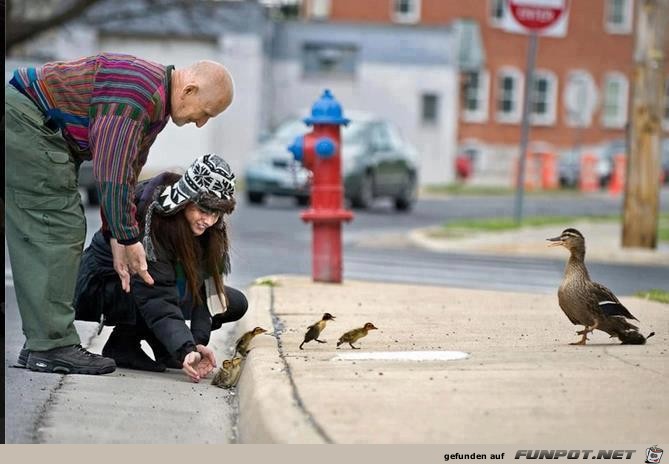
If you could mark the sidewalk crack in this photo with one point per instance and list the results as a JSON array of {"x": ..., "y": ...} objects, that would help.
[
  {"x": 278, "y": 330},
  {"x": 44, "y": 411}
]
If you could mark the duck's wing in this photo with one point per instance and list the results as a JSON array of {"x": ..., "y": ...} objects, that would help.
[
  {"x": 609, "y": 304},
  {"x": 312, "y": 333},
  {"x": 347, "y": 336}
]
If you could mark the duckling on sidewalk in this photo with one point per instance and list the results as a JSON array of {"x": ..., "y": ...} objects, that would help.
[
  {"x": 314, "y": 330},
  {"x": 589, "y": 303},
  {"x": 228, "y": 374},
  {"x": 356, "y": 334}
]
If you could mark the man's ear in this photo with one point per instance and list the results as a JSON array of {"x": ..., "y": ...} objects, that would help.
[{"x": 190, "y": 89}]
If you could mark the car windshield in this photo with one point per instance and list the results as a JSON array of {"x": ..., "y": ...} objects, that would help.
[{"x": 288, "y": 130}]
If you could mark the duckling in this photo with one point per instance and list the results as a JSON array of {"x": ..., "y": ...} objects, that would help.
[
  {"x": 589, "y": 303},
  {"x": 315, "y": 330},
  {"x": 356, "y": 334},
  {"x": 242, "y": 346},
  {"x": 228, "y": 374}
]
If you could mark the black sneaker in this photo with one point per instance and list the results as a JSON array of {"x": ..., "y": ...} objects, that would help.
[
  {"x": 71, "y": 359},
  {"x": 23, "y": 358}
]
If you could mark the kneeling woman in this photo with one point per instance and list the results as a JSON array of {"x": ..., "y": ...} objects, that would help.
[{"x": 187, "y": 249}]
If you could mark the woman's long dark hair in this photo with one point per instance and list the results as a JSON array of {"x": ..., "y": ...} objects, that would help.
[{"x": 173, "y": 235}]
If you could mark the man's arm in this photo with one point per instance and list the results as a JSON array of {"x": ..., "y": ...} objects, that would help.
[{"x": 115, "y": 138}]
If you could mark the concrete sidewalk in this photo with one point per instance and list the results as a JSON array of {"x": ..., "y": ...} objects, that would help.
[{"x": 521, "y": 381}]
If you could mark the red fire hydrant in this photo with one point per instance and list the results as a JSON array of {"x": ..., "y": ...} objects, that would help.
[{"x": 320, "y": 152}]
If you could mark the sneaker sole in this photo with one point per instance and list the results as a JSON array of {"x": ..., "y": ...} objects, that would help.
[
  {"x": 39, "y": 365},
  {"x": 22, "y": 361}
]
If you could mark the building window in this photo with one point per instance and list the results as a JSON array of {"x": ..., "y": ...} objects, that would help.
[
  {"x": 614, "y": 105},
  {"x": 338, "y": 60},
  {"x": 496, "y": 12},
  {"x": 406, "y": 11},
  {"x": 618, "y": 16},
  {"x": 579, "y": 97},
  {"x": 319, "y": 9},
  {"x": 542, "y": 98},
  {"x": 475, "y": 96},
  {"x": 430, "y": 109},
  {"x": 509, "y": 95}
]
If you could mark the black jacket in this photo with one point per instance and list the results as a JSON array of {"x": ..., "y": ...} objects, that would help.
[{"x": 99, "y": 292}]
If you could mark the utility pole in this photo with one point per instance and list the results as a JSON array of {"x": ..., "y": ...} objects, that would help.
[{"x": 642, "y": 189}]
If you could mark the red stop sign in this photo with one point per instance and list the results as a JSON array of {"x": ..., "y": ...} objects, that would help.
[{"x": 537, "y": 14}]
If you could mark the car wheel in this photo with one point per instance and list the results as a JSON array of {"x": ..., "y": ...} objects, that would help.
[
  {"x": 365, "y": 195},
  {"x": 407, "y": 197},
  {"x": 255, "y": 197},
  {"x": 302, "y": 200}
]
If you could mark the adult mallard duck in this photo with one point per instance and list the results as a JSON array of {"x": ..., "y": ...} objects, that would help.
[
  {"x": 355, "y": 335},
  {"x": 589, "y": 303},
  {"x": 314, "y": 330}
]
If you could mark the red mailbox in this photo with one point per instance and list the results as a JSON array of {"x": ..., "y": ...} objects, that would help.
[{"x": 320, "y": 152}]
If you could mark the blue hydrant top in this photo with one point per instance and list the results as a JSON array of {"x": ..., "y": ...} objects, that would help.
[{"x": 326, "y": 110}]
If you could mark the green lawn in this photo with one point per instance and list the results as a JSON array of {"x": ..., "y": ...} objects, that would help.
[
  {"x": 654, "y": 294},
  {"x": 482, "y": 190},
  {"x": 462, "y": 228}
]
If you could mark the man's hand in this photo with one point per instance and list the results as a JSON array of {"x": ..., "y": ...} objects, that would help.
[
  {"x": 120, "y": 264},
  {"x": 136, "y": 260}
]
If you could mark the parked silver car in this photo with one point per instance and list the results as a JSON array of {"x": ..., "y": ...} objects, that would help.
[{"x": 376, "y": 162}]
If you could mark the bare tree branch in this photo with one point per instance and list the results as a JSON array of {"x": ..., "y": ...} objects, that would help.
[{"x": 20, "y": 30}]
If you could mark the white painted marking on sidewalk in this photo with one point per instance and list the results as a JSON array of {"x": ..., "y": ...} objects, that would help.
[{"x": 402, "y": 356}]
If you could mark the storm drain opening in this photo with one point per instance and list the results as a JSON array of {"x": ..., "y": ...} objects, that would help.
[{"x": 401, "y": 356}]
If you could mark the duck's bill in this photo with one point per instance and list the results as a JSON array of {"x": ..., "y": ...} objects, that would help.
[{"x": 555, "y": 241}]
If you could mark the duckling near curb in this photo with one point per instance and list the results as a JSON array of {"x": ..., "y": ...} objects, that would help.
[
  {"x": 356, "y": 334},
  {"x": 242, "y": 346},
  {"x": 228, "y": 374},
  {"x": 588, "y": 303},
  {"x": 314, "y": 330}
]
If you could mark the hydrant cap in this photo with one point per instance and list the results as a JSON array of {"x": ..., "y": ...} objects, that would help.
[{"x": 326, "y": 110}]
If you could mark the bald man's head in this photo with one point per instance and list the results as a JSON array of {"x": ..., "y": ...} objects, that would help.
[{"x": 200, "y": 92}]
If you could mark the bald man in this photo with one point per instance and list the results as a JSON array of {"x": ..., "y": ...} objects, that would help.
[{"x": 108, "y": 108}]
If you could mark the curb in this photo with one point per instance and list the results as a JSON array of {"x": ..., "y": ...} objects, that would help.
[{"x": 269, "y": 411}]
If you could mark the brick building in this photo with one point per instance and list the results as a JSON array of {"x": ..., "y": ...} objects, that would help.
[{"x": 582, "y": 88}]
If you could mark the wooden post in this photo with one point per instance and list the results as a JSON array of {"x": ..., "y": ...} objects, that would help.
[{"x": 642, "y": 192}]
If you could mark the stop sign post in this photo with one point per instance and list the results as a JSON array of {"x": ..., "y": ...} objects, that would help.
[{"x": 535, "y": 15}]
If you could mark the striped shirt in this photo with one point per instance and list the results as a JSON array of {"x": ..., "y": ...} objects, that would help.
[{"x": 110, "y": 108}]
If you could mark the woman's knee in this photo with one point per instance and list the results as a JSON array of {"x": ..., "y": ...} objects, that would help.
[{"x": 237, "y": 303}]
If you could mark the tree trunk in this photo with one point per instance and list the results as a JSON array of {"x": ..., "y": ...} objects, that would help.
[{"x": 642, "y": 190}]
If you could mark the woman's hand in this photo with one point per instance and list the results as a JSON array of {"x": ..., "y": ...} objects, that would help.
[
  {"x": 190, "y": 364},
  {"x": 120, "y": 264},
  {"x": 207, "y": 361},
  {"x": 198, "y": 364}
]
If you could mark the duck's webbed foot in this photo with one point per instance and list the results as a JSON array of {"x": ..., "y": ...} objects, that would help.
[
  {"x": 583, "y": 338},
  {"x": 320, "y": 341},
  {"x": 584, "y": 333},
  {"x": 354, "y": 347}
]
